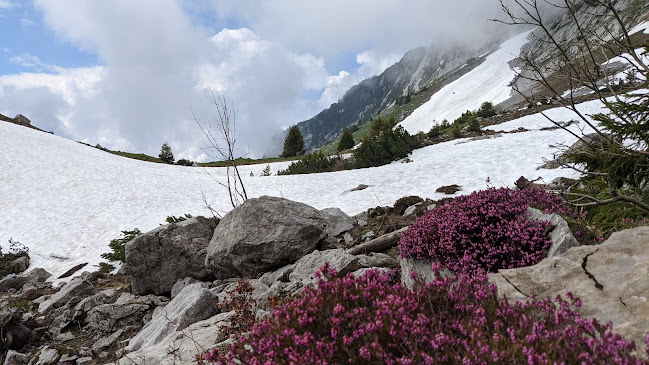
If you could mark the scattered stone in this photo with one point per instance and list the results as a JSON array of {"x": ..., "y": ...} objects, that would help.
[
  {"x": 369, "y": 235},
  {"x": 180, "y": 284},
  {"x": 263, "y": 234},
  {"x": 106, "y": 342},
  {"x": 362, "y": 222},
  {"x": 561, "y": 235},
  {"x": 412, "y": 269},
  {"x": 610, "y": 279},
  {"x": 431, "y": 207},
  {"x": 280, "y": 274},
  {"x": 20, "y": 264},
  {"x": 338, "y": 259},
  {"x": 411, "y": 210},
  {"x": 360, "y": 272},
  {"x": 65, "y": 336},
  {"x": 84, "y": 361},
  {"x": 67, "y": 358},
  {"x": 448, "y": 189},
  {"x": 48, "y": 356},
  {"x": 348, "y": 238},
  {"x": 375, "y": 259},
  {"x": 157, "y": 259},
  {"x": 194, "y": 303},
  {"x": 337, "y": 221},
  {"x": 16, "y": 358},
  {"x": 76, "y": 288}
]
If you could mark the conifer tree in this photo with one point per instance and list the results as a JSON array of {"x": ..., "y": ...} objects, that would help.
[
  {"x": 294, "y": 143},
  {"x": 346, "y": 140},
  {"x": 165, "y": 154}
]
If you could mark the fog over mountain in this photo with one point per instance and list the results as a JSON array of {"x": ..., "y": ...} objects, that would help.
[{"x": 279, "y": 62}]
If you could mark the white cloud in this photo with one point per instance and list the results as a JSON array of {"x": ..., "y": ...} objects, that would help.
[
  {"x": 6, "y": 4},
  {"x": 27, "y": 60},
  {"x": 157, "y": 63}
]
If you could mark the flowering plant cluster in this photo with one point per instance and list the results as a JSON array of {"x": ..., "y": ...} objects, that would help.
[
  {"x": 374, "y": 319},
  {"x": 487, "y": 230}
]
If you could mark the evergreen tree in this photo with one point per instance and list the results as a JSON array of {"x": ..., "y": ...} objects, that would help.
[
  {"x": 165, "y": 154},
  {"x": 346, "y": 140},
  {"x": 294, "y": 143}
]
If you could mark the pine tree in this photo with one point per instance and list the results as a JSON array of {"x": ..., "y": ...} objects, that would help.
[
  {"x": 346, "y": 140},
  {"x": 165, "y": 154},
  {"x": 294, "y": 143}
]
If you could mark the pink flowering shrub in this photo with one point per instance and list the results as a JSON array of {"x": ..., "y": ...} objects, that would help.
[
  {"x": 373, "y": 319},
  {"x": 487, "y": 230}
]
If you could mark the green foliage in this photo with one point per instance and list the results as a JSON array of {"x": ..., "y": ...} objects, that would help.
[
  {"x": 22, "y": 304},
  {"x": 346, "y": 140},
  {"x": 266, "y": 171},
  {"x": 473, "y": 125},
  {"x": 118, "y": 246},
  {"x": 310, "y": 163},
  {"x": 456, "y": 130},
  {"x": 391, "y": 145},
  {"x": 486, "y": 110},
  {"x": 379, "y": 125},
  {"x": 173, "y": 219},
  {"x": 184, "y": 162},
  {"x": 354, "y": 127},
  {"x": 106, "y": 267},
  {"x": 294, "y": 143},
  {"x": 627, "y": 119},
  {"x": 165, "y": 154}
]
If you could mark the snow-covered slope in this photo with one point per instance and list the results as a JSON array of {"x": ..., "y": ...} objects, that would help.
[
  {"x": 66, "y": 201},
  {"x": 487, "y": 82}
]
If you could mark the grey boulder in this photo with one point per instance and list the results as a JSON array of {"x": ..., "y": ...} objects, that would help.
[
  {"x": 263, "y": 234},
  {"x": 157, "y": 259}
]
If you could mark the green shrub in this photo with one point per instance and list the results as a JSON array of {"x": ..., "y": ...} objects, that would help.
[
  {"x": 118, "y": 246},
  {"x": 172, "y": 219},
  {"x": 346, "y": 141},
  {"x": 390, "y": 145},
  {"x": 310, "y": 163},
  {"x": 486, "y": 110},
  {"x": 184, "y": 162}
]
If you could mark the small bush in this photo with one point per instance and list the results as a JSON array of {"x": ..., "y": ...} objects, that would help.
[
  {"x": 390, "y": 145},
  {"x": 310, "y": 163},
  {"x": 118, "y": 246},
  {"x": 172, "y": 219},
  {"x": 486, "y": 110},
  {"x": 346, "y": 141},
  {"x": 485, "y": 230},
  {"x": 375, "y": 320},
  {"x": 184, "y": 162},
  {"x": 265, "y": 171}
]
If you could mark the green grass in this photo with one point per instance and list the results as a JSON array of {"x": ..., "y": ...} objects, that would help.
[{"x": 249, "y": 161}]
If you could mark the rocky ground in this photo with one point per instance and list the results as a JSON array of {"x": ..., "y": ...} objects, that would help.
[{"x": 181, "y": 291}]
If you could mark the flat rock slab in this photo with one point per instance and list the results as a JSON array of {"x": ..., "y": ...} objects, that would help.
[
  {"x": 192, "y": 304},
  {"x": 612, "y": 280}
]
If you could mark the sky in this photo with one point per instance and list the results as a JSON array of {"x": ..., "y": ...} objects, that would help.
[{"x": 131, "y": 75}]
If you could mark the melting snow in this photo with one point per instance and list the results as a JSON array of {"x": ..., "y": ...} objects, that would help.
[{"x": 487, "y": 82}]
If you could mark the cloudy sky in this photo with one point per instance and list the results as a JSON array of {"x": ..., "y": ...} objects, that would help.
[{"x": 128, "y": 74}]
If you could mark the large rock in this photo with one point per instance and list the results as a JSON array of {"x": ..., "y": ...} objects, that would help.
[
  {"x": 192, "y": 304},
  {"x": 157, "y": 259},
  {"x": 561, "y": 235},
  {"x": 612, "y": 280},
  {"x": 263, "y": 234},
  {"x": 13, "y": 281}
]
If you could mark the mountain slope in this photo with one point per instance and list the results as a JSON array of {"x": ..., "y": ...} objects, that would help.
[
  {"x": 487, "y": 82},
  {"x": 418, "y": 69}
]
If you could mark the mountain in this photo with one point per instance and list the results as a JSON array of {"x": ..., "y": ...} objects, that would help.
[{"x": 418, "y": 70}]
